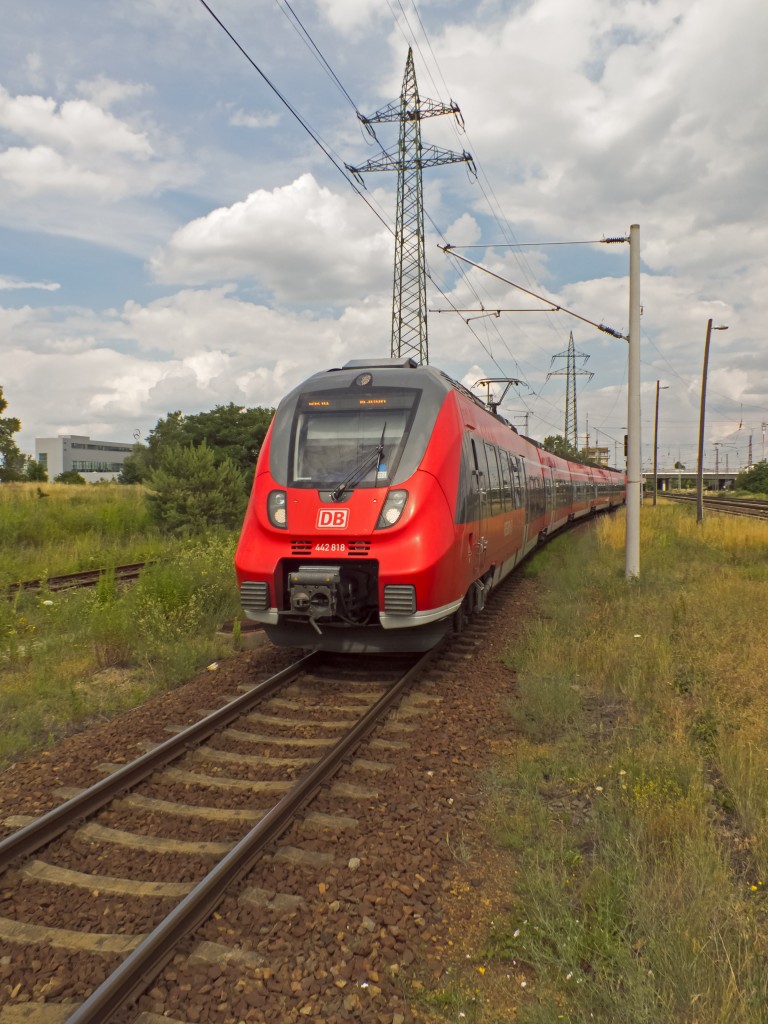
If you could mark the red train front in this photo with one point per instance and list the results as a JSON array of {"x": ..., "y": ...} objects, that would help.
[{"x": 386, "y": 502}]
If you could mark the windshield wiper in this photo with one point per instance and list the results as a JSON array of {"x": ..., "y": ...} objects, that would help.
[{"x": 360, "y": 470}]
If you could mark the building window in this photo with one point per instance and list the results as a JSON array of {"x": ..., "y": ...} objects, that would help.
[
  {"x": 91, "y": 466},
  {"x": 102, "y": 447}
]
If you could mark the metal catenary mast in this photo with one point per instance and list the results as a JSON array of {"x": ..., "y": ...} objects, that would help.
[
  {"x": 409, "y": 303},
  {"x": 571, "y": 433}
]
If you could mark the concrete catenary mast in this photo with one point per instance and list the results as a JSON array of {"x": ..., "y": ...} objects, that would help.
[{"x": 409, "y": 304}]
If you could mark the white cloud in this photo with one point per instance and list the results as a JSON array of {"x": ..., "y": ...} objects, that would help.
[
  {"x": 106, "y": 92},
  {"x": 464, "y": 231},
  {"x": 33, "y": 66},
  {"x": 42, "y": 169},
  {"x": 301, "y": 241},
  {"x": 78, "y": 125},
  {"x": 583, "y": 118},
  {"x": 8, "y": 284},
  {"x": 206, "y": 347},
  {"x": 348, "y": 16},
  {"x": 79, "y": 149},
  {"x": 242, "y": 119}
]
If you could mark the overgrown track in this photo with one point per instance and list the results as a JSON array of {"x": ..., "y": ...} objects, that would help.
[
  {"x": 304, "y": 709},
  {"x": 77, "y": 580},
  {"x": 730, "y": 506}
]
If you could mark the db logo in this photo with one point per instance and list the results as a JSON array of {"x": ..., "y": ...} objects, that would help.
[{"x": 332, "y": 518}]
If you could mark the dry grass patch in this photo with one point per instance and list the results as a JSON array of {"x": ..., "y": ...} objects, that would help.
[{"x": 636, "y": 800}]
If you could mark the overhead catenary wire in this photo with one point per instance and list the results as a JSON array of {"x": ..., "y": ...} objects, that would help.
[
  {"x": 309, "y": 41},
  {"x": 489, "y": 195},
  {"x": 600, "y": 327},
  {"x": 532, "y": 245},
  {"x": 336, "y": 161},
  {"x": 316, "y": 138}
]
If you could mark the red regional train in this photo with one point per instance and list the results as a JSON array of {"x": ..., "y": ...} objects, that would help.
[{"x": 388, "y": 502}]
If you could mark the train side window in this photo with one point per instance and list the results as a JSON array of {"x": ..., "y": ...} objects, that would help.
[
  {"x": 506, "y": 480},
  {"x": 548, "y": 491},
  {"x": 468, "y": 500},
  {"x": 494, "y": 480},
  {"x": 499, "y": 458},
  {"x": 479, "y": 477},
  {"x": 529, "y": 488},
  {"x": 516, "y": 466},
  {"x": 476, "y": 464},
  {"x": 522, "y": 477}
]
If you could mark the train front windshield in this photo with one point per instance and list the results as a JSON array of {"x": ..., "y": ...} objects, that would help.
[{"x": 354, "y": 439}]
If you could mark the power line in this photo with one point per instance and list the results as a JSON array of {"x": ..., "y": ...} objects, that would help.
[
  {"x": 302, "y": 121},
  {"x": 530, "y": 245},
  {"x": 600, "y": 327},
  {"x": 491, "y": 200},
  {"x": 309, "y": 42},
  {"x": 336, "y": 161}
]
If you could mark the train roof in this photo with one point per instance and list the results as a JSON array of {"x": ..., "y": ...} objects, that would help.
[{"x": 393, "y": 371}]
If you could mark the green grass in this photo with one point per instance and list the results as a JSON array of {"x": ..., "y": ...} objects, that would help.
[
  {"x": 636, "y": 799},
  {"x": 69, "y": 657},
  {"x": 50, "y": 529}
]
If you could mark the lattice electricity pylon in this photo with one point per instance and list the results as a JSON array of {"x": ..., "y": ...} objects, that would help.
[
  {"x": 571, "y": 432},
  {"x": 409, "y": 291}
]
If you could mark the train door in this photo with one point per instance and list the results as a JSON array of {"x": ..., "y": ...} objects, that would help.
[
  {"x": 523, "y": 482},
  {"x": 479, "y": 485}
]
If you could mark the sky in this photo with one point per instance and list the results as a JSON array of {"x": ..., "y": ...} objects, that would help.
[{"x": 177, "y": 230}]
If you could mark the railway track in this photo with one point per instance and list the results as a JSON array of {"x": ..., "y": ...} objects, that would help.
[
  {"x": 133, "y": 865},
  {"x": 754, "y": 509},
  {"x": 77, "y": 580}
]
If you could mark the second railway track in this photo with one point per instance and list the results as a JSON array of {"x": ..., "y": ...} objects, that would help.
[
  {"x": 753, "y": 509},
  {"x": 78, "y": 580}
]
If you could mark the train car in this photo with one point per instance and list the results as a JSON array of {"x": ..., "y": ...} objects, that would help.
[{"x": 388, "y": 502}]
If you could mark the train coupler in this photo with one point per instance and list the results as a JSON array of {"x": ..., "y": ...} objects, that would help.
[{"x": 314, "y": 592}]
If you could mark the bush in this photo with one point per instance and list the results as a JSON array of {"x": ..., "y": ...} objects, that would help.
[
  {"x": 69, "y": 476},
  {"x": 754, "y": 479},
  {"x": 190, "y": 493},
  {"x": 34, "y": 472}
]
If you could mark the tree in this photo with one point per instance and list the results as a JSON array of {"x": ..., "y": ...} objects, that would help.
[
  {"x": 754, "y": 479},
  {"x": 34, "y": 471},
  {"x": 11, "y": 459},
  {"x": 557, "y": 445},
  {"x": 231, "y": 432},
  {"x": 134, "y": 469},
  {"x": 189, "y": 491},
  {"x": 69, "y": 476}
]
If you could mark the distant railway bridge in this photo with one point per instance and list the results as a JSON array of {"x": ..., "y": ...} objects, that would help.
[{"x": 681, "y": 479}]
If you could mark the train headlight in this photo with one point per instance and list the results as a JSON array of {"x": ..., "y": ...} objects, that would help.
[
  {"x": 276, "y": 509},
  {"x": 392, "y": 510}
]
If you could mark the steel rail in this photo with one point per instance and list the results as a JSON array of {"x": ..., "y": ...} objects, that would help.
[
  {"x": 151, "y": 955},
  {"x": 76, "y": 580},
  {"x": 42, "y": 830},
  {"x": 751, "y": 509}
]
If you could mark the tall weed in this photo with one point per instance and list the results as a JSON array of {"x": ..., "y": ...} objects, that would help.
[
  {"x": 643, "y": 857},
  {"x": 50, "y": 529},
  {"x": 69, "y": 655}
]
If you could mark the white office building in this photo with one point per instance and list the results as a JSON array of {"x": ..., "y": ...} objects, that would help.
[{"x": 93, "y": 460}]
